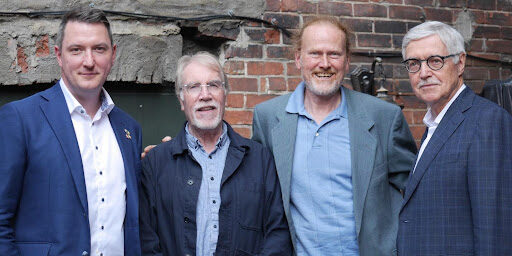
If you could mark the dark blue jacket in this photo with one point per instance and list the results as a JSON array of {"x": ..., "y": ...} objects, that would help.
[{"x": 251, "y": 215}]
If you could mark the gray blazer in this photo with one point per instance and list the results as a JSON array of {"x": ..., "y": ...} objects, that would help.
[{"x": 382, "y": 153}]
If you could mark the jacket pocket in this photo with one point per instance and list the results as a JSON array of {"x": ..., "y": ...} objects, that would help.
[{"x": 34, "y": 249}]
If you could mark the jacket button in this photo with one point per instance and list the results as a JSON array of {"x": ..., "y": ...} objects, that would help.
[
  {"x": 190, "y": 182},
  {"x": 85, "y": 253},
  {"x": 186, "y": 220},
  {"x": 406, "y": 221}
]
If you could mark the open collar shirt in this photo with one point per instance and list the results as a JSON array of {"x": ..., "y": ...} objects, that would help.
[
  {"x": 103, "y": 172},
  {"x": 208, "y": 202}
]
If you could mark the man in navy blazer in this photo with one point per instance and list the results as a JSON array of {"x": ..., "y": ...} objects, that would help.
[
  {"x": 69, "y": 159},
  {"x": 458, "y": 200}
]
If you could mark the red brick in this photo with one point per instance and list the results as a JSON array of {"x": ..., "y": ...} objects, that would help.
[
  {"x": 494, "y": 73},
  {"x": 42, "y": 49},
  {"x": 272, "y": 36},
  {"x": 265, "y": 68},
  {"x": 482, "y": 4},
  {"x": 487, "y": 32},
  {"x": 243, "y": 131},
  {"x": 22, "y": 59},
  {"x": 263, "y": 84},
  {"x": 488, "y": 59},
  {"x": 504, "y": 5},
  {"x": 476, "y": 45},
  {"x": 235, "y": 100},
  {"x": 234, "y": 67},
  {"x": 335, "y": 8},
  {"x": 306, "y": 6},
  {"x": 388, "y": 1},
  {"x": 475, "y": 85},
  {"x": 499, "y": 46},
  {"x": 397, "y": 43},
  {"x": 405, "y": 12},
  {"x": 417, "y": 131},
  {"x": 276, "y": 84},
  {"x": 256, "y": 34},
  {"x": 419, "y": 2},
  {"x": 359, "y": 25},
  {"x": 403, "y": 86},
  {"x": 289, "y": 5},
  {"x": 273, "y": 5},
  {"x": 499, "y": 19},
  {"x": 372, "y": 40},
  {"x": 439, "y": 14},
  {"x": 280, "y": 52},
  {"x": 382, "y": 26},
  {"x": 283, "y": 19},
  {"x": 292, "y": 70},
  {"x": 241, "y": 84},
  {"x": 480, "y": 16},
  {"x": 292, "y": 83},
  {"x": 238, "y": 117},
  {"x": 476, "y": 73},
  {"x": 410, "y": 101},
  {"x": 370, "y": 10},
  {"x": 418, "y": 116},
  {"x": 408, "y": 114},
  {"x": 452, "y": 3},
  {"x": 253, "y": 100},
  {"x": 252, "y": 51},
  {"x": 506, "y": 33}
]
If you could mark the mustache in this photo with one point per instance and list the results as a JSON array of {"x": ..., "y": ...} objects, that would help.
[
  {"x": 209, "y": 104},
  {"x": 428, "y": 81}
]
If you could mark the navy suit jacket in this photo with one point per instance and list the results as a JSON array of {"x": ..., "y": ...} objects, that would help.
[
  {"x": 43, "y": 199},
  {"x": 458, "y": 201}
]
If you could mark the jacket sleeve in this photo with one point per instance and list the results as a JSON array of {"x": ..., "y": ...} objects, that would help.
[
  {"x": 12, "y": 170},
  {"x": 401, "y": 152},
  {"x": 490, "y": 182},
  {"x": 276, "y": 232},
  {"x": 150, "y": 242},
  {"x": 257, "y": 132}
]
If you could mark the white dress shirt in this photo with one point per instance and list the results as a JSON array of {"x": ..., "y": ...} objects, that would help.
[
  {"x": 104, "y": 174},
  {"x": 432, "y": 122}
]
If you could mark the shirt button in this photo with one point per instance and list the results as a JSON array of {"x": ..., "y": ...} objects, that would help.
[
  {"x": 85, "y": 253},
  {"x": 102, "y": 227},
  {"x": 190, "y": 182},
  {"x": 317, "y": 134},
  {"x": 210, "y": 157},
  {"x": 96, "y": 147},
  {"x": 101, "y": 173},
  {"x": 103, "y": 199},
  {"x": 214, "y": 201},
  {"x": 214, "y": 226},
  {"x": 186, "y": 220},
  {"x": 212, "y": 178}
]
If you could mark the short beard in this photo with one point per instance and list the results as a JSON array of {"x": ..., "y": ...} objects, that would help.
[{"x": 326, "y": 92}]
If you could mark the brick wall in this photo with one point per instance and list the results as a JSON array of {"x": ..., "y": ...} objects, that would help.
[{"x": 262, "y": 67}]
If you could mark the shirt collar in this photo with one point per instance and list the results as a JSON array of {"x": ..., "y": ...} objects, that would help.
[
  {"x": 430, "y": 121},
  {"x": 107, "y": 104},
  {"x": 296, "y": 103},
  {"x": 193, "y": 142}
]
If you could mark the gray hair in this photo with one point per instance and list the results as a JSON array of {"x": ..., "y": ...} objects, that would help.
[
  {"x": 204, "y": 58},
  {"x": 85, "y": 14},
  {"x": 451, "y": 38}
]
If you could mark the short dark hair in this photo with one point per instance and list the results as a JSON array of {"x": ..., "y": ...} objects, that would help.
[
  {"x": 84, "y": 14},
  {"x": 297, "y": 38}
]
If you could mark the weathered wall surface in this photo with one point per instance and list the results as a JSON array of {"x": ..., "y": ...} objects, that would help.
[{"x": 259, "y": 59}]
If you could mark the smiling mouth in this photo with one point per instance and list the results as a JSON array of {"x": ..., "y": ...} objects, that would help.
[
  {"x": 206, "y": 108},
  {"x": 323, "y": 75}
]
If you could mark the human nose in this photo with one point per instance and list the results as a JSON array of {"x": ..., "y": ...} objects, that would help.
[
  {"x": 425, "y": 70},
  {"x": 324, "y": 61},
  {"x": 204, "y": 92},
  {"x": 88, "y": 58}
]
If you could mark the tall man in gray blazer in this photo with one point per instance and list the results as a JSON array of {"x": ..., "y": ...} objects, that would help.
[{"x": 342, "y": 157}]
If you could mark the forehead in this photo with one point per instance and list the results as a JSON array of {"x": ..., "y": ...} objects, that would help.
[
  {"x": 322, "y": 34},
  {"x": 199, "y": 72},
  {"x": 425, "y": 47},
  {"x": 82, "y": 31}
]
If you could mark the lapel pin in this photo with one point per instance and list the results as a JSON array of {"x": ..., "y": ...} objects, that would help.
[{"x": 128, "y": 136}]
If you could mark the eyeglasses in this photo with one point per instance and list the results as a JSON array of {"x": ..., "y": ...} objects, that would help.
[
  {"x": 213, "y": 87},
  {"x": 434, "y": 62}
]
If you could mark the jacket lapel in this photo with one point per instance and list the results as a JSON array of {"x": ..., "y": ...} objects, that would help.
[
  {"x": 452, "y": 119},
  {"x": 55, "y": 109},
  {"x": 283, "y": 143},
  {"x": 363, "y": 145}
]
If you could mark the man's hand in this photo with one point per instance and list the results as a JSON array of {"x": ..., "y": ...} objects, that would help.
[{"x": 149, "y": 147}]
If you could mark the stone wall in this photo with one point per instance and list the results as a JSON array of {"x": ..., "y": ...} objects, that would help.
[{"x": 258, "y": 58}]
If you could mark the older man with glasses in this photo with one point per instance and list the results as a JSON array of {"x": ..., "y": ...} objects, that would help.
[
  {"x": 210, "y": 191},
  {"x": 458, "y": 200}
]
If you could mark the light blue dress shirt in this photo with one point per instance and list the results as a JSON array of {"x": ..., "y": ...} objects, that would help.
[
  {"x": 321, "y": 198},
  {"x": 208, "y": 203}
]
